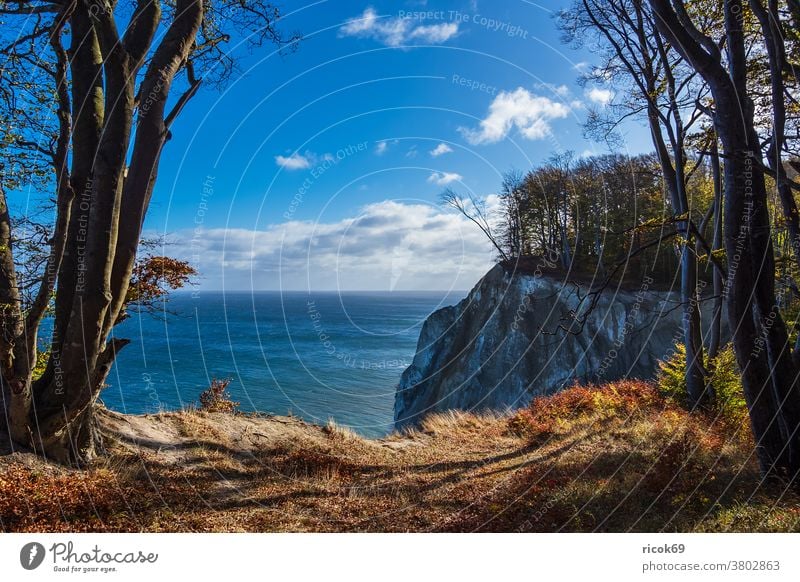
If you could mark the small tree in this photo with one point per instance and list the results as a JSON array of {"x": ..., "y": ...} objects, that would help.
[
  {"x": 475, "y": 211},
  {"x": 215, "y": 398}
]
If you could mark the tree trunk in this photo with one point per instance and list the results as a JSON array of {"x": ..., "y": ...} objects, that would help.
[
  {"x": 674, "y": 180},
  {"x": 760, "y": 340},
  {"x": 715, "y": 330},
  {"x": 769, "y": 20},
  {"x": 16, "y": 389},
  {"x": 98, "y": 223}
]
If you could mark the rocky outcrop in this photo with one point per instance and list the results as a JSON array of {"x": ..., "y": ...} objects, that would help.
[{"x": 504, "y": 343}]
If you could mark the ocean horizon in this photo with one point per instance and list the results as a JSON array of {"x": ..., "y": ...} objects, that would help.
[{"x": 320, "y": 355}]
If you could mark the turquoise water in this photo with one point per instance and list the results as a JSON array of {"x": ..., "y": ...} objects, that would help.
[{"x": 318, "y": 355}]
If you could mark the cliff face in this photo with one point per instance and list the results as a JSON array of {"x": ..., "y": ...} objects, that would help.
[{"x": 501, "y": 346}]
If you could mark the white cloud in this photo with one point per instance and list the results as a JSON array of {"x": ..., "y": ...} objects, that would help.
[
  {"x": 444, "y": 178},
  {"x": 559, "y": 90},
  {"x": 600, "y": 96},
  {"x": 386, "y": 246},
  {"x": 382, "y": 146},
  {"x": 294, "y": 162},
  {"x": 531, "y": 114},
  {"x": 360, "y": 25},
  {"x": 395, "y": 31},
  {"x": 298, "y": 161},
  {"x": 434, "y": 33},
  {"x": 440, "y": 150}
]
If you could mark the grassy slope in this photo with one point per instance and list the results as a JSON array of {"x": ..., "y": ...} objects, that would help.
[{"x": 618, "y": 458}]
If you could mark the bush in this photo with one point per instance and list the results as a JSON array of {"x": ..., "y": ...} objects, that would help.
[
  {"x": 216, "y": 398},
  {"x": 549, "y": 415},
  {"x": 724, "y": 378}
]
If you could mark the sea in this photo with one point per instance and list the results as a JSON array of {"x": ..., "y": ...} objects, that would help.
[{"x": 321, "y": 356}]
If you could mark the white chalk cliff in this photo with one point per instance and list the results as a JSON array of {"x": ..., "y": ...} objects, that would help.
[{"x": 501, "y": 346}]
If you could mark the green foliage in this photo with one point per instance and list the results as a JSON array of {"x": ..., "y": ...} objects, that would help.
[
  {"x": 727, "y": 383},
  {"x": 724, "y": 377},
  {"x": 603, "y": 210},
  {"x": 42, "y": 357},
  {"x": 671, "y": 377}
]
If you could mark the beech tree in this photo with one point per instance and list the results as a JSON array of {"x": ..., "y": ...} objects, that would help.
[
  {"x": 760, "y": 336},
  {"x": 783, "y": 77},
  {"x": 656, "y": 84},
  {"x": 604, "y": 206},
  {"x": 92, "y": 89}
]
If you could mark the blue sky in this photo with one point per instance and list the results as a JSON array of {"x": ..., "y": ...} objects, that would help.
[{"x": 322, "y": 168}]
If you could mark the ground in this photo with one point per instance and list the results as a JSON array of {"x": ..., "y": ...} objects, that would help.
[{"x": 616, "y": 458}]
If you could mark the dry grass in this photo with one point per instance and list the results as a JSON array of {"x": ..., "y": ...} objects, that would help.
[{"x": 617, "y": 458}]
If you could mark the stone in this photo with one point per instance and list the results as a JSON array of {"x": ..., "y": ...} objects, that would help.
[{"x": 504, "y": 344}]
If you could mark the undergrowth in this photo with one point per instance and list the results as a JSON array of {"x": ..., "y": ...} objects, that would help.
[{"x": 619, "y": 457}]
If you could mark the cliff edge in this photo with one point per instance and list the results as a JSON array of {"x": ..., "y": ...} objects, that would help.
[{"x": 507, "y": 342}]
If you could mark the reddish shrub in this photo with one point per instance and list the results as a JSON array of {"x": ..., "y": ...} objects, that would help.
[
  {"x": 547, "y": 414},
  {"x": 216, "y": 398}
]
